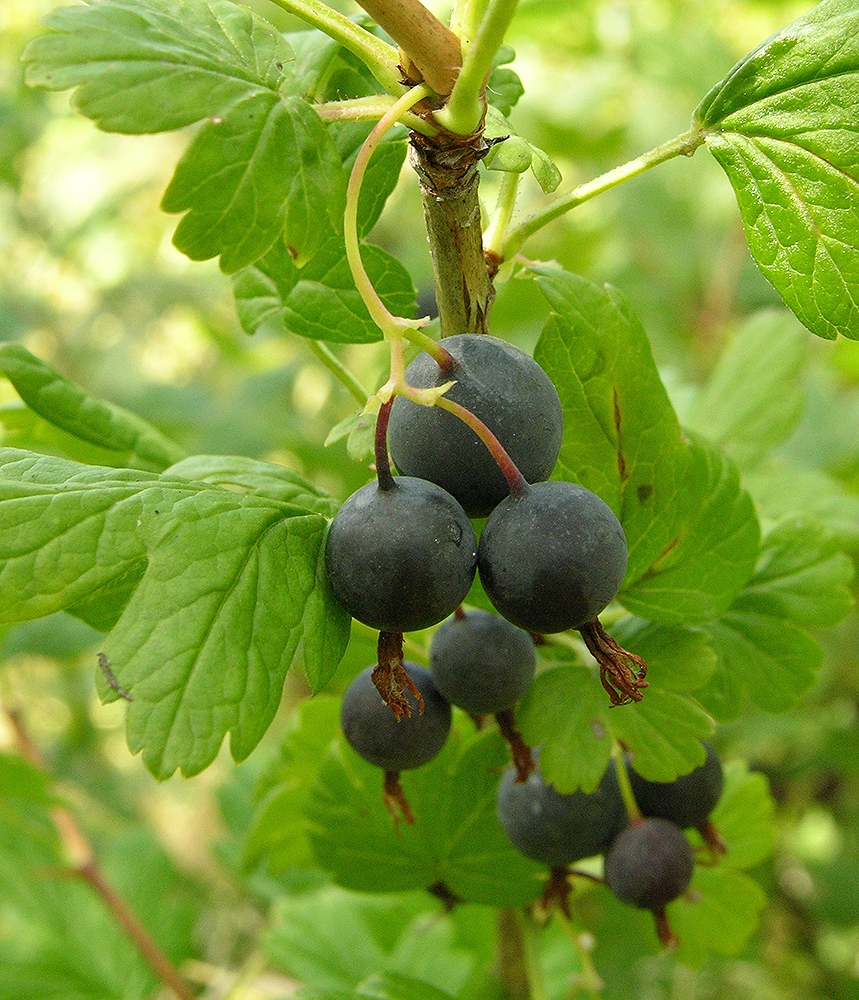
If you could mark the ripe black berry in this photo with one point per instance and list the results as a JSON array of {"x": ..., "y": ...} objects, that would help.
[
  {"x": 687, "y": 801},
  {"x": 557, "y": 829},
  {"x": 375, "y": 733},
  {"x": 481, "y": 662},
  {"x": 552, "y": 557},
  {"x": 402, "y": 557},
  {"x": 649, "y": 864},
  {"x": 503, "y": 387}
]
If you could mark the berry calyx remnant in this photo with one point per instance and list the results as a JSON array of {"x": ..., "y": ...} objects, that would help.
[{"x": 395, "y": 743}]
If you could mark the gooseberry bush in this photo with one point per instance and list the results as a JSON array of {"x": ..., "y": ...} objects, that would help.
[{"x": 508, "y": 649}]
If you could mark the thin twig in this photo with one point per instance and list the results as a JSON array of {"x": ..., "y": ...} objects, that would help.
[{"x": 83, "y": 864}]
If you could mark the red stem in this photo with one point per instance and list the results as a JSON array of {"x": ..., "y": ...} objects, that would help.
[
  {"x": 383, "y": 463},
  {"x": 517, "y": 482}
]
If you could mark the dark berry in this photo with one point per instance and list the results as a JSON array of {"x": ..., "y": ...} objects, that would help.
[
  {"x": 558, "y": 829},
  {"x": 649, "y": 863},
  {"x": 687, "y": 801},
  {"x": 552, "y": 557},
  {"x": 481, "y": 662},
  {"x": 401, "y": 558},
  {"x": 374, "y": 733},
  {"x": 503, "y": 387}
]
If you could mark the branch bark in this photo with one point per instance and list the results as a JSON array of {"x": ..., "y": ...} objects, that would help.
[
  {"x": 447, "y": 167},
  {"x": 431, "y": 47}
]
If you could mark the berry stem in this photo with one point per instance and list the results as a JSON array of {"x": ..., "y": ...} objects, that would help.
[
  {"x": 392, "y": 327},
  {"x": 519, "y": 749},
  {"x": 617, "y": 676},
  {"x": 436, "y": 351},
  {"x": 383, "y": 463},
  {"x": 517, "y": 482},
  {"x": 395, "y": 799},
  {"x": 625, "y": 785}
]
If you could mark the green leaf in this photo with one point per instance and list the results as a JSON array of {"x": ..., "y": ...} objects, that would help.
[
  {"x": 564, "y": 713},
  {"x": 59, "y": 939},
  {"x": 342, "y": 944},
  {"x": 801, "y": 575},
  {"x": 678, "y": 657},
  {"x": 691, "y": 529},
  {"x": 567, "y": 714},
  {"x": 382, "y": 173},
  {"x": 511, "y": 153},
  {"x": 326, "y": 623},
  {"x": 277, "y": 834},
  {"x": 663, "y": 733},
  {"x": 213, "y": 622},
  {"x": 782, "y": 487},
  {"x": 263, "y": 479},
  {"x": 744, "y": 817},
  {"x": 456, "y": 838},
  {"x": 711, "y": 555},
  {"x": 764, "y": 651},
  {"x": 782, "y": 126},
  {"x": 130, "y": 441},
  {"x": 265, "y": 166},
  {"x": 153, "y": 65},
  {"x": 767, "y": 659},
  {"x": 753, "y": 398},
  {"x": 320, "y": 301},
  {"x": 504, "y": 89},
  {"x": 717, "y": 915}
]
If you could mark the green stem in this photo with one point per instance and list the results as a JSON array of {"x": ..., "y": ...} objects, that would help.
[
  {"x": 432, "y": 347},
  {"x": 589, "y": 979},
  {"x": 536, "y": 980},
  {"x": 681, "y": 145},
  {"x": 493, "y": 238},
  {"x": 338, "y": 370},
  {"x": 465, "y": 20},
  {"x": 625, "y": 784},
  {"x": 377, "y": 55},
  {"x": 463, "y": 112},
  {"x": 391, "y": 326},
  {"x": 370, "y": 109}
]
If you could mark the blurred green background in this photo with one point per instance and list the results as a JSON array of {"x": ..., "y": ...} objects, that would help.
[{"x": 90, "y": 282}]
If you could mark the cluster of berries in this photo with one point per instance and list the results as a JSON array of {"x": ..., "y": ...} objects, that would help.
[
  {"x": 402, "y": 553},
  {"x": 648, "y": 862}
]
